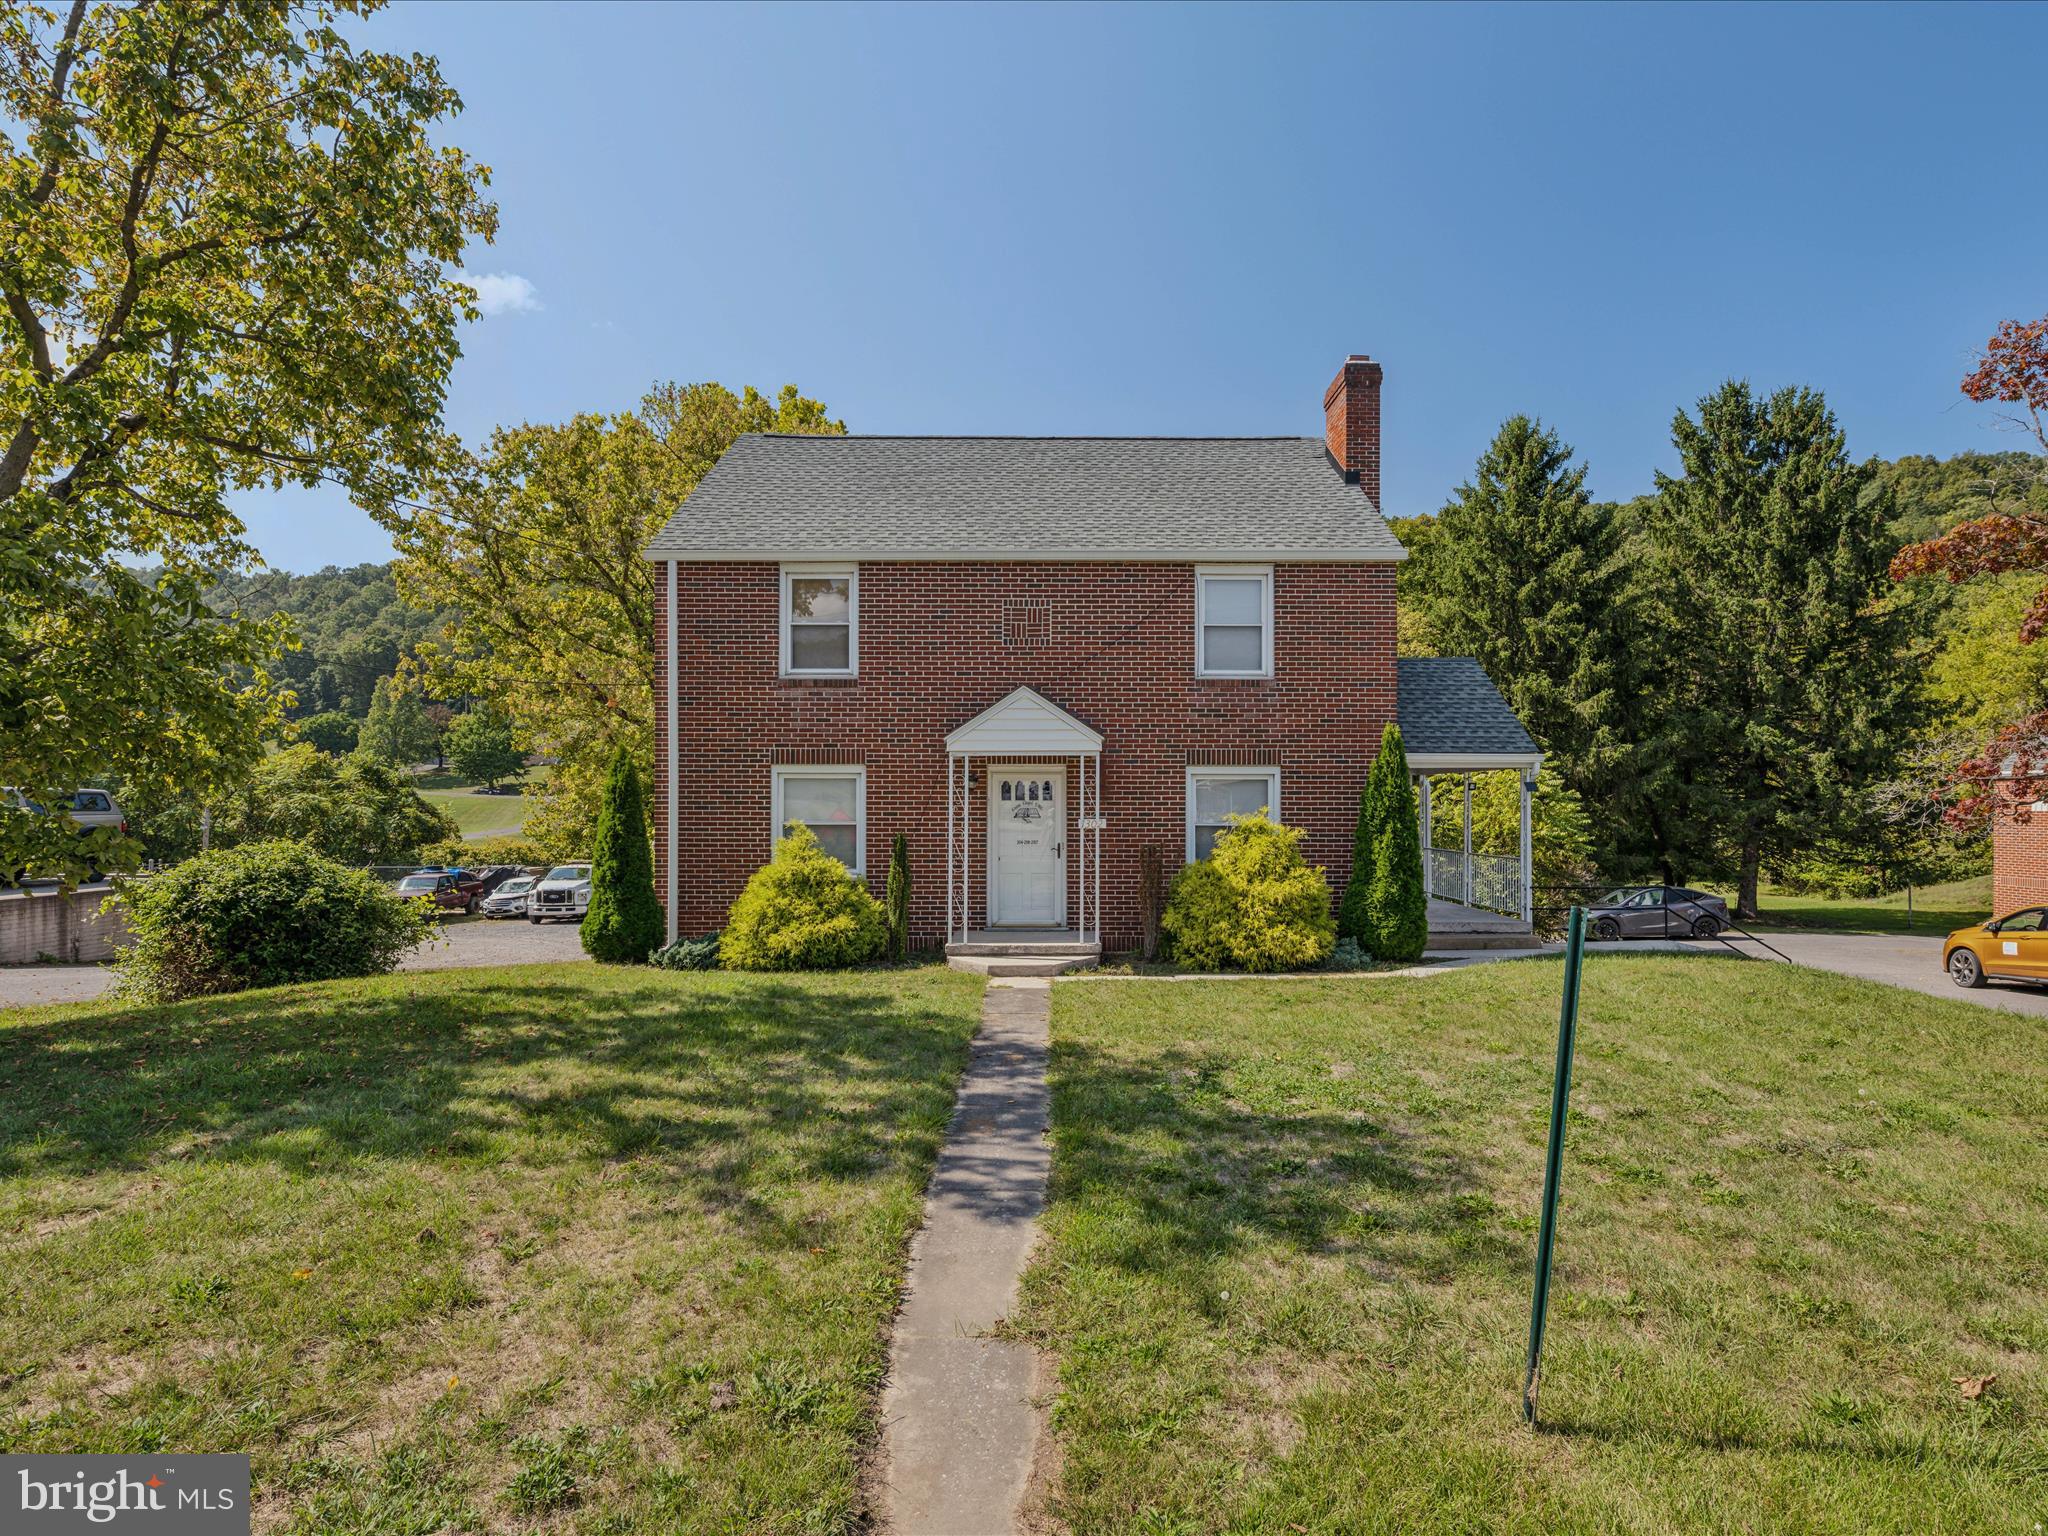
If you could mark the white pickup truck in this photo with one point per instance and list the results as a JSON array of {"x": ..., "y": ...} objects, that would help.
[{"x": 564, "y": 891}]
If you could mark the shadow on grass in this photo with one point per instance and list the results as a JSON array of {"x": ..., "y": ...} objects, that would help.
[
  {"x": 1209, "y": 1177},
  {"x": 697, "y": 1080}
]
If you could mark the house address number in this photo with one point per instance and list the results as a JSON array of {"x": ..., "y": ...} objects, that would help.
[{"x": 1094, "y": 823}]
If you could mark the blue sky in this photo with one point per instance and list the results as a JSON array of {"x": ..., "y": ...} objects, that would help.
[{"x": 1161, "y": 219}]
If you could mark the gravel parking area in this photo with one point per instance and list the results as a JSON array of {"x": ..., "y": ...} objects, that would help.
[{"x": 469, "y": 941}]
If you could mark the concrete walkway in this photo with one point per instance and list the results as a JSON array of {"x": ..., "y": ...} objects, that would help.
[{"x": 959, "y": 1430}]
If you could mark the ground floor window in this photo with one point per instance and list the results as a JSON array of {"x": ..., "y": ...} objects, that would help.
[
  {"x": 833, "y": 803},
  {"x": 1217, "y": 794}
]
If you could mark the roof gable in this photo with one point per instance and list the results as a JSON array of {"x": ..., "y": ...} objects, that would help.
[
  {"x": 776, "y": 496},
  {"x": 1449, "y": 708},
  {"x": 1027, "y": 723}
]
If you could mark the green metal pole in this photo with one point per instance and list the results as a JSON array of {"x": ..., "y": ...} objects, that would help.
[{"x": 1553, "y": 1166}]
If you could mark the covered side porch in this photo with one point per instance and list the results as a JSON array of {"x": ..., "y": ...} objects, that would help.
[{"x": 1457, "y": 728}]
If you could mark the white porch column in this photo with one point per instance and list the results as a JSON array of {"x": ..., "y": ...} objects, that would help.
[
  {"x": 1468, "y": 839},
  {"x": 1528, "y": 778},
  {"x": 950, "y": 761},
  {"x": 1422, "y": 800},
  {"x": 1081, "y": 839},
  {"x": 675, "y": 770},
  {"x": 1095, "y": 861}
]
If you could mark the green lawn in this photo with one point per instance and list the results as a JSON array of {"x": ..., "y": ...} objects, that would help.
[
  {"x": 478, "y": 815},
  {"x": 1287, "y": 1258},
  {"x": 517, "y": 1249},
  {"x": 1937, "y": 909}
]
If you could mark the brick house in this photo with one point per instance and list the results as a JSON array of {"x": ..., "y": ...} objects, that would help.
[
  {"x": 1036, "y": 656},
  {"x": 2019, "y": 856}
]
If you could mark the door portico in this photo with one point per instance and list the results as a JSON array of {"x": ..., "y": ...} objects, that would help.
[{"x": 1033, "y": 772}]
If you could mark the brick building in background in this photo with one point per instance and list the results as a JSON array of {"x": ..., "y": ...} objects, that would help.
[{"x": 1034, "y": 657}]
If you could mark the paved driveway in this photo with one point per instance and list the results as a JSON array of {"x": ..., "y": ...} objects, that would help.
[
  {"x": 1910, "y": 962},
  {"x": 471, "y": 941}
]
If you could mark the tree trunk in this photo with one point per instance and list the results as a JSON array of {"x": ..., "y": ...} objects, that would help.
[{"x": 1745, "y": 895}]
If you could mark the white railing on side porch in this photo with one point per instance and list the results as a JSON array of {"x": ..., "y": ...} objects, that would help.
[{"x": 1495, "y": 884}]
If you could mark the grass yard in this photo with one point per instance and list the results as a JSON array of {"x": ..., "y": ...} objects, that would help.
[
  {"x": 476, "y": 814},
  {"x": 521, "y": 1249},
  {"x": 1287, "y": 1259},
  {"x": 1937, "y": 909}
]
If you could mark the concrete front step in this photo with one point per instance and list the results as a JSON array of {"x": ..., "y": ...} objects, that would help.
[
  {"x": 1070, "y": 949},
  {"x": 1480, "y": 939},
  {"x": 1022, "y": 965}
]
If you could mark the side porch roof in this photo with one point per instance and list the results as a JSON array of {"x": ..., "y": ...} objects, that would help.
[{"x": 1454, "y": 720}]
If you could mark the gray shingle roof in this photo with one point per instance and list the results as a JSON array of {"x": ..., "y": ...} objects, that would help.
[
  {"x": 778, "y": 496},
  {"x": 1448, "y": 705}
]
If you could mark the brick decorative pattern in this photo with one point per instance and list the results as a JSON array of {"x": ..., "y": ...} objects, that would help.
[
  {"x": 1027, "y": 621},
  {"x": 1351, "y": 422},
  {"x": 1123, "y": 660},
  {"x": 2019, "y": 862}
]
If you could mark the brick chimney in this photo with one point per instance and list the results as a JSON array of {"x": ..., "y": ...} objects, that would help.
[{"x": 1351, "y": 422}]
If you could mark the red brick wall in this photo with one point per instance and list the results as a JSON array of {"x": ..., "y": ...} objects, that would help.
[
  {"x": 1121, "y": 657},
  {"x": 2019, "y": 863}
]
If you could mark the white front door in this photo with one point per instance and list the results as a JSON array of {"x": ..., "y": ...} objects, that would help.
[{"x": 1027, "y": 847}]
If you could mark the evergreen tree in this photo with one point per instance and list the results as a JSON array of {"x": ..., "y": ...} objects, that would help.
[
  {"x": 1397, "y": 902},
  {"x": 1522, "y": 570},
  {"x": 897, "y": 897},
  {"x": 1795, "y": 689},
  {"x": 624, "y": 923},
  {"x": 1353, "y": 908}
]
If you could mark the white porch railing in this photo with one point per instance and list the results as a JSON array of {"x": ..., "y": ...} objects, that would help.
[{"x": 1496, "y": 880}]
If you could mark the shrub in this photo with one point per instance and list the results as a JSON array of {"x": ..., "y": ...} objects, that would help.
[
  {"x": 475, "y": 852},
  {"x": 1397, "y": 902},
  {"x": 688, "y": 955},
  {"x": 801, "y": 912},
  {"x": 261, "y": 915},
  {"x": 624, "y": 922},
  {"x": 331, "y": 732},
  {"x": 1353, "y": 905},
  {"x": 1254, "y": 904},
  {"x": 896, "y": 897},
  {"x": 1151, "y": 899},
  {"x": 1350, "y": 955}
]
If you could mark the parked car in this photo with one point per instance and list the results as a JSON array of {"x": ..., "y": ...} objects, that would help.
[
  {"x": 563, "y": 891},
  {"x": 91, "y": 809},
  {"x": 451, "y": 890},
  {"x": 1657, "y": 912},
  {"x": 510, "y": 898},
  {"x": 2012, "y": 948}
]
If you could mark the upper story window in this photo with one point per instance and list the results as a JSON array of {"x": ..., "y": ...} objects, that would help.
[
  {"x": 820, "y": 620},
  {"x": 1234, "y": 621}
]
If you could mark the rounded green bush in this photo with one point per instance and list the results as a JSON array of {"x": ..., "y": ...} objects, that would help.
[
  {"x": 261, "y": 915},
  {"x": 802, "y": 912},
  {"x": 1253, "y": 905}
]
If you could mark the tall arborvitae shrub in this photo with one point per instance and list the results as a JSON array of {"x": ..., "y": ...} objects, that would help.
[
  {"x": 1151, "y": 897},
  {"x": 1352, "y": 908},
  {"x": 896, "y": 897},
  {"x": 624, "y": 922},
  {"x": 1397, "y": 901}
]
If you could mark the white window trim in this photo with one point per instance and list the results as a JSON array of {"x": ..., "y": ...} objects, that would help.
[
  {"x": 1271, "y": 774},
  {"x": 1264, "y": 573},
  {"x": 786, "y": 617},
  {"x": 854, "y": 771}
]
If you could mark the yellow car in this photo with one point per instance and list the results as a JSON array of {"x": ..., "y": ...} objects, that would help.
[{"x": 2014, "y": 946}]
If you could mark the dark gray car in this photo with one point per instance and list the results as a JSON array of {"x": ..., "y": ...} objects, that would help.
[{"x": 1657, "y": 912}]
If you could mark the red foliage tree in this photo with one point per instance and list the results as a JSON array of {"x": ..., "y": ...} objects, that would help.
[{"x": 2011, "y": 371}]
